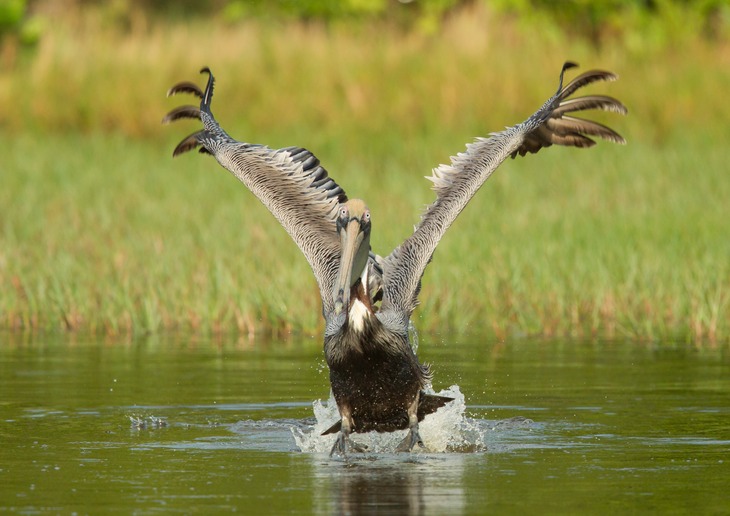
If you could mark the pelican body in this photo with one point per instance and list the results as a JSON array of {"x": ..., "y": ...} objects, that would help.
[{"x": 367, "y": 301}]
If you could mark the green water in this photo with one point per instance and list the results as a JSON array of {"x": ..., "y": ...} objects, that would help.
[{"x": 179, "y": 425}]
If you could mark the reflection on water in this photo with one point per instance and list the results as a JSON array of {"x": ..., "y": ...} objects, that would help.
[
  {"x": 393, "y": 484},
  {"x": 186, "y": 426}
]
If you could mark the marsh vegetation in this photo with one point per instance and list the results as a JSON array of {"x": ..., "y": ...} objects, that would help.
[{"x": 100, "y": 230}]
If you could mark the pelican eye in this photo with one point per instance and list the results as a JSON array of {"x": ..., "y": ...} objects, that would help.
[
  {"x": 342, "y": 216},
  {"x": 366, "y": 216}
]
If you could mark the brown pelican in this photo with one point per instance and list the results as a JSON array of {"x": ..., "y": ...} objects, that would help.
[{"x": 377, "y": 380}]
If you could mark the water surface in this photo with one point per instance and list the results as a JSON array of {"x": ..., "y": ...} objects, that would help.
[{"x": 182, "y": 425}]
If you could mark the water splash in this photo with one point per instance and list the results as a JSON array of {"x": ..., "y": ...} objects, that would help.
[
  {"x": 446, "y": 430},
  {"x": 147, "y": 422},
  {"x": 413, "y": 336}
]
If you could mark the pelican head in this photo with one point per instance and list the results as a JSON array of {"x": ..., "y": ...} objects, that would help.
[{"x": 353, "y": 226}]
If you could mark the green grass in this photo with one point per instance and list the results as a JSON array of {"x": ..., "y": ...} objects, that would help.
[{"x": 100, "y": 230}]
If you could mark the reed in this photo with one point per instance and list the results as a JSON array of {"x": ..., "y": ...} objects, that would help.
[{"x": 102, "y": 231}]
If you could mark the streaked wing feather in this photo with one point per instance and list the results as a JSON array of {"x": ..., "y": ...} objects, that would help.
[
  {"x": 585, "y": 79},
  {"x": 602, "y": 102},
  {"x": 455, "y": 184},
  {"x": 570, "y": 125},
  {"x": 182, "y": 112},
  {"x": 290, "y": 182},
  {"x": 571, "y": 140},
  {"x": 185, "y": 87},
  {"x": 188, "y": 143}
]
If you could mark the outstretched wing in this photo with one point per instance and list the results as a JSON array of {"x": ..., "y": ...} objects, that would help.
[
  {"x": 290, "y": 182},
  {"x": 455, "y": 184}
]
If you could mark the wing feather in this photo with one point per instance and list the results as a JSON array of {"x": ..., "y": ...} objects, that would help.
[
  {"x": 455, "y": 184},
  {"x": 290, "y": 182}
]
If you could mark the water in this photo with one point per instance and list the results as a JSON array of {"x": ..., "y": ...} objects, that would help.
[{"x": 183, "y": 425}]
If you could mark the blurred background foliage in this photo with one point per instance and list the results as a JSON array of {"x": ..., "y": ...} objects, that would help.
[
  {"x": 101, "y": 230},
  {"x": 598, "y": 20},
  {"x": 49, "y": 48}
]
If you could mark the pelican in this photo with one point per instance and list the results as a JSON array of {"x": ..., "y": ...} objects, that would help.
[{"x": 377, "y": 381}]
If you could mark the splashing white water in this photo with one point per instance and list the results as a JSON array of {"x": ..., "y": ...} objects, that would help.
[
  {"x": 446, "y": 430},
  {"x": 413, "y": 336}
]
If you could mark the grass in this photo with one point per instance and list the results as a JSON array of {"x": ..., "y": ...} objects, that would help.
[{"x": 100, "y": 230}]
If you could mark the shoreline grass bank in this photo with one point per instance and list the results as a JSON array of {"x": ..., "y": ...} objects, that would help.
[{"x": 101, "y": 231}]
